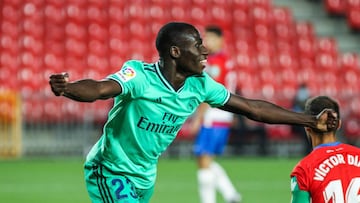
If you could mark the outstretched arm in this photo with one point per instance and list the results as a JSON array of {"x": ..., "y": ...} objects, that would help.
[
  {"x": 86, "y": 90},
  {"x": 267, "y": 112}
]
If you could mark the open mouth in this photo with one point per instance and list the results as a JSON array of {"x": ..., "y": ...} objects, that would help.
[{"x": 203, "y": 62}]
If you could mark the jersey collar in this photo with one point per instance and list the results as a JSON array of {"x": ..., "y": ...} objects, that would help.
[
  {"x": 327, "y": 145},
  {"x": 163, "y": 79}
]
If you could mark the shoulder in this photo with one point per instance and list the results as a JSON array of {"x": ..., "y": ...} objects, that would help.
[
  {"x": 136, "y": 69},
  {"x": 351, "y": 147},
  {"x": 302, "y": 166}
]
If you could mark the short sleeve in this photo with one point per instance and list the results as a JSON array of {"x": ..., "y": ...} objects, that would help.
[
  {"x": 301, "y": 177},
  {"x": 216, "y": 93},
  {"x": 130, "y": 77}
]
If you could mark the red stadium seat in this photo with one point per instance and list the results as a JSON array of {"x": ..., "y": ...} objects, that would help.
[
  {"x": 354, "y": 106},
  {"x": 350, "y": 76},
  {"x": 246, "y": 61},
  {"x": 287, "y": 76},
  {"x": 264, "y": 46},
  {"x": 327, "y": 45},
  {"x": 10, "y": 13},
  {"x": 55, "y": 32},
  {"x": 305, "y": 29},
  {"x": 33, "y": 111},
  {"x": 54, "y": 62},
  {"x": 77, "y": 13},
  {"x": 9, "y": 61},
  {"x": 263, "y": 31},
  {"x": 335, "y": 7},
  {"x": 158, "y": 11},
  {"x": 306, "y": 47},
  {"x": 54, "y": 14},
  {"x": 353, "y": 18},
  {"x": 76, "y": 30},
  {"x": 136, "y": 10},
  {"x": 33, "y": 28},
  {"x": 268, "y": 89},
  {"x": 349, "y": 61},
  {"x": 241, "y": 18},
  {"x": 198, "y": 14},
  {"x": 76, "y": 48},
  {"x": 264, "y": 60},
  {"x": 286, "y": 60},
  {"x": 97, "y": 47},
  {"x": 9, "y": 28},
  {"x": 282, "y": 15},
  {"x": 97, "y": 13},
  {"x": 326, "y": 62},
  {"x": 98, "y": 31},
  {"x": 7, "y": 44},
  {"x": 33, "y": 45},
  {"x": 262, "y": 3},
  {"x": 261, "y": 15},
  {"x": 284, "y": 32},
  {"x": 306, "y": 74},
  {"x": 285, "y": 46},
  {"x": 352, "y": 127},
  {"x": 241, "y": 4}
]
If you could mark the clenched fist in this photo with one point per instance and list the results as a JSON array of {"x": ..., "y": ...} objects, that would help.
[{"x": 58, "y": 83}]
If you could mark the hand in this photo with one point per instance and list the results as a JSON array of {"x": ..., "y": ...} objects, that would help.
[
  {"x": 58, "y": 83},
  {"x": 327, "y": 120}
]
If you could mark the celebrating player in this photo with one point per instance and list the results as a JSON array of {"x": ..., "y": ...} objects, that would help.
[
  {"x": 331, "y": 172},
  {"x": 151, "y": 102}
]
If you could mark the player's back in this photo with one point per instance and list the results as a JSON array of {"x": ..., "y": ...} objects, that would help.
[{"x": 331, "y": 174}]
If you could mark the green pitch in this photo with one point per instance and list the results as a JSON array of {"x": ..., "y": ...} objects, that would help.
[{"x": 61, "y": 180}]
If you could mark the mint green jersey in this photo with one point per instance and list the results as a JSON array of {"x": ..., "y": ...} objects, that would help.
[{"x": 146, "y": 117}]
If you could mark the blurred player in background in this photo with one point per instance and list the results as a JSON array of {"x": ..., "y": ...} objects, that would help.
[
  {"x": 331, "y": 172},
  {"x": 151, "y": 102},
  {"x": 215, "y": 128}
]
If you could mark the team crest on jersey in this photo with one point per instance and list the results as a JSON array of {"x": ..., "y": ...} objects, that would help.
[{"x": 126, "y": 74}]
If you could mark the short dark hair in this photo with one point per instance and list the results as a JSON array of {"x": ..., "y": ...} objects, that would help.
[
  {"x": 172, "y": 34},
  {"x": 214, "y": 29},
  {"x": 315, "y": 105}
]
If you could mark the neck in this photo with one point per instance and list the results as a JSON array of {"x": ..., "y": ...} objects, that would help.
[
  {"x": 323, "y": 139},
  {"x": 169, "y": 71}
]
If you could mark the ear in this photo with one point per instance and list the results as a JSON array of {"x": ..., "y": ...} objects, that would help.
[
  {"x": 175, "y": 51},
  {"x": 339, "y": 126},
  {"x": 308, "y": 130}
]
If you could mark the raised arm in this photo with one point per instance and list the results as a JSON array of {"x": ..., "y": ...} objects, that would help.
[
  {"x": 86, "y": 90},
  {"x": 263, "y": 111}
]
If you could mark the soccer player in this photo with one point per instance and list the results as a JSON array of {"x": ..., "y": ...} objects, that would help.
[
  {"x": 216, "y": 123},
  {"x": 151, "y": 102},
  {"x": 331, "y": 172}
]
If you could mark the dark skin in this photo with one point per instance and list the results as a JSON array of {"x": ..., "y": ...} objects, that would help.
[{"x": 183, "y": 61}]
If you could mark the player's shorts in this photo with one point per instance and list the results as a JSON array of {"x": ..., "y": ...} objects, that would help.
[
  {"x": 105, "y": 187},
  {"x": 211, "y": 140}
]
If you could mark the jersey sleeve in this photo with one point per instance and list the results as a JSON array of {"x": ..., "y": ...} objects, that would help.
[
  {"x": 130, "y": 77},
  {"x": 217, "y": 95},
  {"x": 301, "y": 177},
  {"x": 297, "y": 195}
]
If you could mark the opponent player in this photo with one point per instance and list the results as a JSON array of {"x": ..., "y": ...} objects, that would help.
[
  {"x": 331, "y": 172},
  {"x": 216, "y": 124},
  {"x": 151, "y": 102}
]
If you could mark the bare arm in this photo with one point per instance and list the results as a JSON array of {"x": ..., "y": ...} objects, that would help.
[
  {"x": 270, "y": 113},
  {"x": 86, "y": 90}
]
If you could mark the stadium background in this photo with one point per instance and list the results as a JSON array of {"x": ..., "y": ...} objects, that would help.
[{"x": 275, "y": 46}]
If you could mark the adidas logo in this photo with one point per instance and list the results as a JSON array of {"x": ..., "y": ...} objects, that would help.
[{"x": 158, "y": 100}]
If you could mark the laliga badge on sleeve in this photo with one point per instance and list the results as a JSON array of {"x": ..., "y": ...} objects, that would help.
[{"x": 126, "y": 74}]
